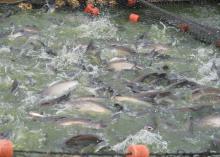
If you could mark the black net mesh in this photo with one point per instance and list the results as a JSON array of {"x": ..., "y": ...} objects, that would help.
[
  {"x": 200, "y": 32},
  {"x": 112, "y": 154}
]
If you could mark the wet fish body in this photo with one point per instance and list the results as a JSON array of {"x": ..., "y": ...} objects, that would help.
[
  {"x": 26, "y": 31},
  {"x": 83, "y": 140},
  {"x": 122, "y": 65},
  {"x": 36, "y": 115},
  {"x": 57, "y": 91},
  {"x": 81, "y": 122},
  {"x": 153, "y": 94},
  {"x": 204, "y": 91},
  {"x": 146, "y": 76},
  {"x": 10, "y": 1},
  {"x": 147, "y": 47},
  {"x": 123, "y": 49},
  {"x": 89, "y": 98},
  {"x": 66, "y": 121},
  {"x": 185, "y": 83},
  {"x": 212, "y": 121},
  {"x": 93, "y": 53},
  {"x": 88, "y": 107},
  {"x": 130, "y": 99},
  {"x": 14, "y": 86}
]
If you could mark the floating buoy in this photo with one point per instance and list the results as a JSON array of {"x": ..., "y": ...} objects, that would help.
[
  {"x": 95, "y": 11},
  {"x": 6, "y": 148},
  {"x": 183, "y": 27},
  {"x": 134, "y": 18},
  {"x": 89, "y": 8},
  {"x": 132, "y": 3},
  {"x": 137, "y": 151}
]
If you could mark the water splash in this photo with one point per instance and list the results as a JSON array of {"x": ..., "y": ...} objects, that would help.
[{"x": 145, "y": 137}]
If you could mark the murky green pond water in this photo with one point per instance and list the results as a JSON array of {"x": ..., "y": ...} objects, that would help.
[{"x": 158, "y": 123}]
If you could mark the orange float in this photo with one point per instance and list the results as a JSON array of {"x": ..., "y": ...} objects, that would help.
[
  {"x": 89, "y": 8},
  {"x": 138, "y": 151},
  {"x": 134, "y": 18},
  {"x": 6, "y": 148},
  {"x": 132, "y": 3},
  {"x": 95, "y": 12}
]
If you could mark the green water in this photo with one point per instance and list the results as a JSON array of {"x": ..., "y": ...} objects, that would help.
[{"x": 68, "y": 34}]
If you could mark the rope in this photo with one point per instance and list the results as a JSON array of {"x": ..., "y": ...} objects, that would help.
[
  {"x": 71, "y": 154},
  {"x": 178, "y": 153}
]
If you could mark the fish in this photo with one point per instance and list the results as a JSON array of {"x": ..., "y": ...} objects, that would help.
[
  {"x": 5, "y": 135},
  {"x": 88, "y": 107},
  {"x": 51, "y": 5},
  {"x": 57, "y": 92},
  {"x": 137, "y": 87},
  {"x": 120, "y": 65},
  {"x": 203, "y": 92},
  {"x": 153, "y": 94},
  {"x": 35, "y": 114},
  {"x": 156, "y": 97},
  {"x": 150, "y": 75},
  {"x": 6, "y": 15},
  {"x": 89, "y": 98},
  {"x": 14, "y": 86},
  {"x": 145, "y": 46},
  {"x": 10, "y": 1},
  {"x": 198, "y": 109},
  {"x": 211, "y": 121},
  {"x": 48, "y": 50},
  {"x": 215, "y": 144},
  {"x": 40, "y": 2},
  {"x": 130, "y": 99},
  {"x": 83, "y": 140},
  {"x": 216, "y": 66},
  {"x": 114, "y": 50},
  {"x": 184, "y": 83},
  {"x": 93, "y": 53},
  {"x": 82, "y": 122},
  {"x": 26, "y": 31},
  {"x": 67, "y": 121},
  {"x": 30, "y": 29},
  {"x": 156, "y": 55},
  {"x": 123, "y": 50}
]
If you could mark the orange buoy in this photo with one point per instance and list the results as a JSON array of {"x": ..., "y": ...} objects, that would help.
[
  {"x": 137, "y": 151},
  {"x": 183, "y": 27},
  {"x": 134, "y": 18},
  {"x": 6, "y": 148},
  {"x": 89, "y": 8},
  {"x": 132, "y": 3},
  {"x": 95, "y": 11}
]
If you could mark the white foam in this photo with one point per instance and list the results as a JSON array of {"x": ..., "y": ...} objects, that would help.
[
  {"x": 101, "y": 28},
  {"x": 145, "y": 137}
]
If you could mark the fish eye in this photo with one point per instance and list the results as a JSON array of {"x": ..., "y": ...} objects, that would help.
[
  {"x": 118, "y": 107},
  {"x": 149, "y": 128},
  {"x": 165, "y": 67}
]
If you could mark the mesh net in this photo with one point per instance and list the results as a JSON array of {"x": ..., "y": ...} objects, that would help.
[{"x": 200, "y": 32}]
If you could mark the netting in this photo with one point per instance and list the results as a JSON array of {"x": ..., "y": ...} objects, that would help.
[
  {"x": 204, "y": 33},
  {"x": 21, "y": 153}
]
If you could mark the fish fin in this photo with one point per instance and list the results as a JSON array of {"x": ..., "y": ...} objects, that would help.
[{"x": 91, "y": 46}]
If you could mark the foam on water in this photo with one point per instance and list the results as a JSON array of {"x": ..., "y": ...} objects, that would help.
[
  {"x": 153, "y": 140},
  {"x": 102, "y": 28}
]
